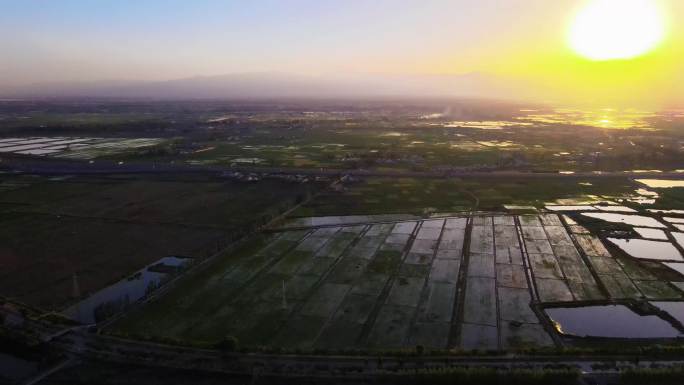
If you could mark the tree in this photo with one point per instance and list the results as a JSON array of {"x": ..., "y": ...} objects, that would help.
[{"x": 228, "y": 344}]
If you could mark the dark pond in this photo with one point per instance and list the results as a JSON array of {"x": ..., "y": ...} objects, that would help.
[
  {"x": 118, "y": 296},
  {"x": 612, "y": 321},
  {"x": 15, "y": 369}
]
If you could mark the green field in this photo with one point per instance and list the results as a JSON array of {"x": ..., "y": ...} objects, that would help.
[{"x": 422, "y": 195}]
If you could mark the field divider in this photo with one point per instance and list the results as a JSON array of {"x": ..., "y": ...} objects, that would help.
[
  {"x": 496, "y": 288},
  {"x": 544, "y": 320},
  {"x": 253, "y": 278},
  {"x": 382, "y": 298},
  {"x": 196, "y": 269},
  {"x": 608, "y": 245},
  {"x": 459, "y": 298},
  {"x": 560, "y": 265},
  {"x": 526, "y": 263},
  {"x": 585, "y": 258},
  {"x": 679, "y": 248},
  {"x": 425, "y": 292},
  {"x": 298, "y": 307}
]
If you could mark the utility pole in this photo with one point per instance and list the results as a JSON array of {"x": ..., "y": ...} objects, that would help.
[
  {"x": 284, "y": 297},
  {"x": 76, "y": 293},
  {"x": 76, "y": 290}
]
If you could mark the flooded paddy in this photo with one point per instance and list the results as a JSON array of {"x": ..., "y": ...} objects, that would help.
[
  {"x": 468, "y": 282},
  {"x": 675, "y": 309},
  {"x": 571, "y": 208},
  {"x": 679, "y": 238},
  {"x": 484, "y": 125},
  {"x": 75, "y": 148},
  {"x": 616, "y": 208},
  {"x": 648, "y": 233},
  {"x": 344, "y": 220},
  {"x": 647, "y": 249},
  {"x": 15, "y": 370},
  {"x": 634, "y": 220},
  {"x": 609, "y": 321},
  {"x": 676, "y": 266},
  {"x": 659, "y": 211},
  {"x": 661, "y": 183},
  {"x": 592, "y": 203}
]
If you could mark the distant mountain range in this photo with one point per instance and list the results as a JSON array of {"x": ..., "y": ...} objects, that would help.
[{"x": 282, "y": 85}]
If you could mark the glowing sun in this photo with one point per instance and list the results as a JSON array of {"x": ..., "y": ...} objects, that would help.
[{"x": 616, "y": 29}]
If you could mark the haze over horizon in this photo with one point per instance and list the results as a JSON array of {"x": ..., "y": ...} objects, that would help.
[{"x": 514, "y": 50}]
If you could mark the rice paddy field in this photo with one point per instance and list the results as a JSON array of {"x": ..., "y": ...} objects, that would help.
[
  {"x": 74, "y": 147},
  {"x": 470, "y": 282}
]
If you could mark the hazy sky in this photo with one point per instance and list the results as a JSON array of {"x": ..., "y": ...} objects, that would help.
[{"x": 83, "y": 40}]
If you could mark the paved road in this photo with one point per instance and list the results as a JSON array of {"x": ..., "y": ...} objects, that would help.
[
  {"x": 111, "y": 349},
  {"x": 78, "y": 343},
  {"x": 51, "y": 166}
]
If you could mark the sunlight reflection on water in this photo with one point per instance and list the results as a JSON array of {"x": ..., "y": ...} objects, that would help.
[{"x": 601, "y": 118}]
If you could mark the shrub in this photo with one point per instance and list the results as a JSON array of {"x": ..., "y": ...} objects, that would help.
[
  {"x": 484, "y": 376},
  {"x": 228, "y": 344},
  {"x": 659, "y": 376}
]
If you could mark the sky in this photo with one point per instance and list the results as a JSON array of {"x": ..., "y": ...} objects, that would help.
[{"x": 521, "y": 42}]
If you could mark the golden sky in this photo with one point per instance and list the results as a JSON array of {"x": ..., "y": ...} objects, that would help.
[
  {"x": 521, "y": 44},
  {"x": 547, "y": 68}
]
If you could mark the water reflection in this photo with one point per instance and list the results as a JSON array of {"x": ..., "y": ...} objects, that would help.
[
  {"x": 570, "y": 208},
  {"x": 646, "y": 249},
  {"x": 676, "y": 266},
  {"x": 617, "y": 209},
  {"x": 601, "y": 118},
  {"x": 673, "y": 308},
  {"x": 645, "y": 232},
  {"x": 634, "y": 220},
  {"x": 609, "y": 321},
  {"x": 15, "y": 369},
  {"x": 484, "y": 125},
  {"x": 118, "y": 296},
  {"x": 679, "y": 238},
  {"x": 661, "y": 183},
  {"x": 658, "y": 211}
]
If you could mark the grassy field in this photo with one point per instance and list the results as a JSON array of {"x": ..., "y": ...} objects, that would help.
[
  {"x": 669, "y": 198},
  {"x": 103, "y": 229},
  {"x": 420, "y": 196}
]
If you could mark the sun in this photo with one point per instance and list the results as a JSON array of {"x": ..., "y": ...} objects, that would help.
[{"x": 616, "y": 29}]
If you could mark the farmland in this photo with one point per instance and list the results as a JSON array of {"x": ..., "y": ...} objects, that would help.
[
  {"x": 408, "y": 135},
  {"x": 423, "y": 196},
  {"x": 465, "y": 282},
  {"x": 103, "y": 228},
  {"x": 183, "y": 234},
  {"x": 76, "y": 148}
]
